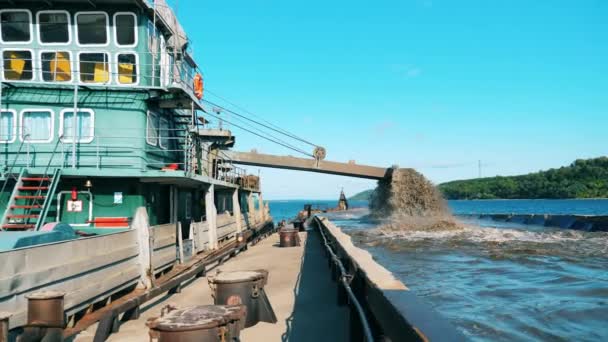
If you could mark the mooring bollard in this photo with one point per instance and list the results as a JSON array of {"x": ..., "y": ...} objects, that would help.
[
  {"x": 45, "y": 309},
  {"x": 246, "y": 288},
  {"x": 209, "y": 323},
  {"x": 288, "y": 238},
  {"x": 4, "y": 326},
  {"x": 45, "y": 317}
]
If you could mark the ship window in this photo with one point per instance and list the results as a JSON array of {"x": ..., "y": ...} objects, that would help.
[
  {"x": 37, "y": 125},
  {"x": 7, "y": 126},
  {"x": 164, "y": 133},
  {"x": 94, "y": 67},
  {"x": 17, "y": 65},
  {"x": 127, "y": 68},
  {"x": 125, "y": 26},
  {"x": 56, "y": 66},
  {"x": 92, "y": 28},
  {"x": 152, "y": 129},
  {"x": 54, "y": 27},
  {"x": 85, "y": 130},
  {"x": 16, "y": 26}
]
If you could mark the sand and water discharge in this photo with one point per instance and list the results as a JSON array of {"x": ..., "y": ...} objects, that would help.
[
  {"x": 409, "y": 212},
  {"x": 409, "y": 201}
]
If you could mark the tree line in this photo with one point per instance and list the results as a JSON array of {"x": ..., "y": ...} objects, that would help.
[{"x": 584, "y": 178}]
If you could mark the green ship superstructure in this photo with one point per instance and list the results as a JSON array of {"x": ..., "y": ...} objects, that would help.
[{"x": 102, "y": 129}]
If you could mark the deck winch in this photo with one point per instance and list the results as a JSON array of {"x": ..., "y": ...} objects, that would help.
[{"x": 244, "y": 288}]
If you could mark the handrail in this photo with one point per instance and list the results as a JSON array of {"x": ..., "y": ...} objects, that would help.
[
  {"x": 10, "y": 169},
  {"x": 345, "y": 280},
  {"x": 47, "y": 201},
  {"x": 144, "y": 75},
  {"x": 156, "y": 157},
  {"x": 51, "y": 186}
]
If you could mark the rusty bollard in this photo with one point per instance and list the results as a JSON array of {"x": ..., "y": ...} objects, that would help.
[
  {"x": 45, "y": 309},
  {"x": 45, "y": 317},
  {"x": 207, "y": 323},
  {"x": 288, "y": 238},
  {"x": 244, "y": 288},
  {"x": 4, "y": 326}
]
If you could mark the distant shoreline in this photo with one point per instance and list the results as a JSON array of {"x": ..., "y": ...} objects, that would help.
[{"x": 532, "y": 199}]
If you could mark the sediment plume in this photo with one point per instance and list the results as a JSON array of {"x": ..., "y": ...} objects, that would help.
[{"x": 409, "y": 201}]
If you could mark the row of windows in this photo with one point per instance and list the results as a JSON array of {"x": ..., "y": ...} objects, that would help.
[
  {"x": 38, "y": 125},
  {"x": 54, "y": 28},
  {"x": 57, "y": 66}
]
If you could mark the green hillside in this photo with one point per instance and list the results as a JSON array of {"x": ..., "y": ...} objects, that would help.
[
  {"x": 362, "y": 196},
  {"x": 581, "y": 179}
]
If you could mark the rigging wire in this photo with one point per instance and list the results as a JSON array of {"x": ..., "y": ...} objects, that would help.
[
  {"x": 263, "y": 137},
  {"x": 282, "y": 130},
  {"x": 259, "y": 130},
  {"x": 266, "y": 123}
]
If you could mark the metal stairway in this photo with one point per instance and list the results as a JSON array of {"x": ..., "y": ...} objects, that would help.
[{"x": 30, "y": 201}]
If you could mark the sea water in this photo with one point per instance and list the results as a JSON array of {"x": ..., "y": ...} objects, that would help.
[{"x": 498, "y": 281}]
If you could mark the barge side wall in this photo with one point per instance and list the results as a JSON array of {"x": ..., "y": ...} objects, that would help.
[{"x": 393, "y": 310}]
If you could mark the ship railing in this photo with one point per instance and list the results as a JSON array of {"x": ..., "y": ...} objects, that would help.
[
  {"x": 129, "y": 152},
  {"x": 66, "y": 69}
]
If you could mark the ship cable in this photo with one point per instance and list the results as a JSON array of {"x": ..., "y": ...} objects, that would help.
[
  {"x": 267, "y": 124},
  {"x": 263, "y": 137},
  {"x": 240, "y": 117},
  {"x": 259, "y": 130}
]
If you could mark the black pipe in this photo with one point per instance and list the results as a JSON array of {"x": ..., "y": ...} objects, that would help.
[{"x": 344, "y": 279}]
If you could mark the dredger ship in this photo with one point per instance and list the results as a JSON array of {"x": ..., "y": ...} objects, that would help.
[{"x": 118, "y": 196}]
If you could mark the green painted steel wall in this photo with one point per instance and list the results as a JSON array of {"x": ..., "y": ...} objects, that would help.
[
  {"x": 119, "y": 135},
  {"x": 120, "y": 114}
]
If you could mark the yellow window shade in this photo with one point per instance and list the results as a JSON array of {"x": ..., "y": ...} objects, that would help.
[
  {"x": 101, "y": 74},
  {"x": 125, "y": 73},
  {"x": 61, "y": 67},
  {"x": 15, "y": 65}
]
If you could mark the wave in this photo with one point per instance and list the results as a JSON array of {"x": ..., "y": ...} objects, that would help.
[{"x": 489, "y": 240}]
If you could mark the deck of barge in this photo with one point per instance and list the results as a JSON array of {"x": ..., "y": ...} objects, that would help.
[{"x": 300, "y": 290}]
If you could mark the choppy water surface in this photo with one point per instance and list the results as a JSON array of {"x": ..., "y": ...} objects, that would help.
[{"x": 498, "y": 281}]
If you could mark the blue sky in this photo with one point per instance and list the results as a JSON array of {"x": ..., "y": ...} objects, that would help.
[{"x": 432, "y": 84}]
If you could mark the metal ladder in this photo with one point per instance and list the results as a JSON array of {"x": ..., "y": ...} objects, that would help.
[
  {"x": 30, "y": 201},
  {"x": 31, "y": 198}
]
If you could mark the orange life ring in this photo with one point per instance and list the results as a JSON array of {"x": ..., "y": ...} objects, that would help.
[{"x": 198, "y": 86}]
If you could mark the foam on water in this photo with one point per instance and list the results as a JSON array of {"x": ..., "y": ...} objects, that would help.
[
  {"x": 489, "y": 240},
  {"x": 495, "y": 281}
]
